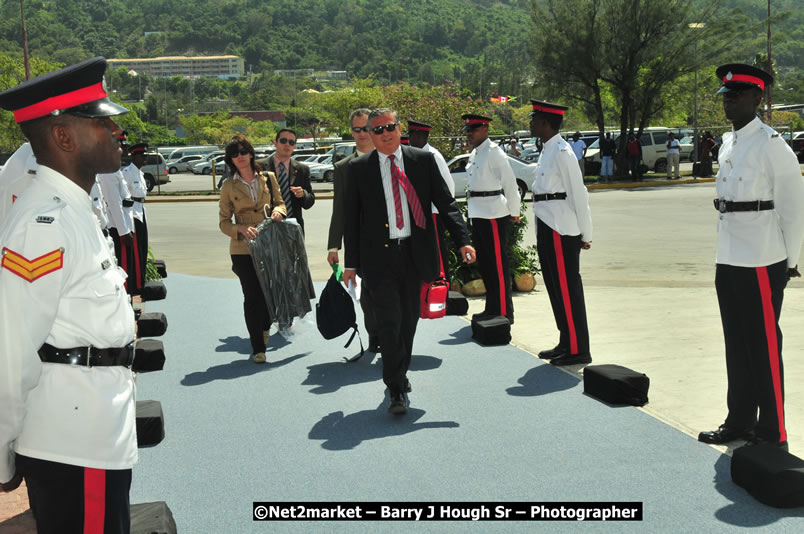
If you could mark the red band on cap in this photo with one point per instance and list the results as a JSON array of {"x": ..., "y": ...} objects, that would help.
[
  {"x": 65, "y": 101},
  {"x": 418, "y": 129},
  {"x": 544, "y": 109},
  {"x": 746, "y": 78},
  {"x": 136, "y": 150},
  {"x": 476, "y": 122}
]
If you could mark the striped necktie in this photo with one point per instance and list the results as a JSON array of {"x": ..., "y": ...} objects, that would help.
[
  {"x": 398, "y": 176},
  {"x": 284, "y": 186}
]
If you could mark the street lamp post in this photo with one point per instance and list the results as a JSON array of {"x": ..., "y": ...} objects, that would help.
[{"x": 696, "y": 142}]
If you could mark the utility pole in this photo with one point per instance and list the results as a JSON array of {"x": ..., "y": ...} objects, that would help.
[
  {"x": 768, "y": 96},
  {"x": 25, "y": 43}
]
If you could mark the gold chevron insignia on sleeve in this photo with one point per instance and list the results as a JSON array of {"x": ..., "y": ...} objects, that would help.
[{"x": 31, "y": 270}]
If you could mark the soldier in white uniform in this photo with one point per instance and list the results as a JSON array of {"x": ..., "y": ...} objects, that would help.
[
  {"x": 67, "y": 424},
  {"x": 418, "y": 134},
  {"x": 563, "y": 228},
  {"x": 493, "y": 202},
  {"x": 119, "y": 207},
  {"x": 760, "y": 229},
  {"x": 16, "y": 177},
  {"x": 137, "y": 188}
]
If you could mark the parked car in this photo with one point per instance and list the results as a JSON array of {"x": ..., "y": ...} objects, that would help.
[
  {"x": 205, "y": 167},
  {"x": 203, "y": 151},
  {"x": 343, "y": 150},
  {"x": 523, "y": 171},
  {"x": 797, "y": 144},
  {"x": 322, "y": 172},
  {"x": 654, "y": 150},
  {"x": 183, "y": 164},
  {"x": 154, "y": 169}
]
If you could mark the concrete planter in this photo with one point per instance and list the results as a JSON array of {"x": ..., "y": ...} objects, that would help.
[
  {"x": 475, "y": 288},
  {"x": 525, "y": 282}
]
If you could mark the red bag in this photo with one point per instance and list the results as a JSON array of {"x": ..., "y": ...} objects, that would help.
[{"x": 433, "y": 296}]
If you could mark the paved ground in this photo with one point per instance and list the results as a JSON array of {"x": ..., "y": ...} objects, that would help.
[{"x": 649, "y": 291}]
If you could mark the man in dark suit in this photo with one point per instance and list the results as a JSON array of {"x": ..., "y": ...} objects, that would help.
[
  {"x": 293, "y": 176},
  {"x": 358, "y": 122},
  {"x": 390, "y": 237}
]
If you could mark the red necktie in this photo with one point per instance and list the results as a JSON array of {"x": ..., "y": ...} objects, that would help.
[{"x": 398, "y": 176}]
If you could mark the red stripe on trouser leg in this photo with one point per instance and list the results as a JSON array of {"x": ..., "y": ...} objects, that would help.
[
  {"x": 562, "y": 281},
  {"x": 94, "y": 500},
  {"x": 773, "y": 346},
  {"x": 124, "y": 260},
  {"x": 137, "y": 268},
  {"x": 495, "y": 231}
]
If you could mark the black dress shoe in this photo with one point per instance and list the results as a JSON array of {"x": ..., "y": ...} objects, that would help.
[
  {"x": 399, "y": 404},
  {"x": 725, "y": 434},
  {"x": 374, "y": 344},
  {"x": 571, "y": 359},
  {"x": 759, "y": 440},
  {"x": 552, "y": 353}
]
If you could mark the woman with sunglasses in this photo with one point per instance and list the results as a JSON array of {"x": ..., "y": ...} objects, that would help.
[{"x": 244, "y": 196}]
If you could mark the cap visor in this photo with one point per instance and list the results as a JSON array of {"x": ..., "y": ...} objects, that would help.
[{"x": 98, "y": 108}]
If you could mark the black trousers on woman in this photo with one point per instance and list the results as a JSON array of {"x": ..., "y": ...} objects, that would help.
[{"x": 254, "y": 308}]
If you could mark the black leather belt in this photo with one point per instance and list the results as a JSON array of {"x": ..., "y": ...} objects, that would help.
[
  {"x": 485, "y": 193},
  {"x": 398, "y": 241},
  {"x": 725, "y": 206},
  {"x": 88, "y": 356},
  {"x": 127, "y": 202},
  {"x": 138, "y": 199},
  {"x": 549, "y": 196}
]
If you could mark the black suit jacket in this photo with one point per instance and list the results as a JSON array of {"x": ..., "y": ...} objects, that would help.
[
  {"x": 298, "y": 175},
  {"x": 336, "y": 222},
  {"x": 366, "y": 224}
]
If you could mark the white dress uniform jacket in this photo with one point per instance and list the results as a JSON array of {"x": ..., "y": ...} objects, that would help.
[
  {"x": 16, "y": 177},
  {"x": 136, "y": 188},
  {"x": 558, "y": 172},
  {"x": 757, "y": 164},
  {"x": 115, "y": 190},
  {"x": 99, "y": 204},
  {"x": 442, "y": 166},
  {"x": 59, "y": 285},
  {"x": 488, "y": 170}
]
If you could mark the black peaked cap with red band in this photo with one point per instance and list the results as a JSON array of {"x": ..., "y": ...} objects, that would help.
[
  {"x": 737, "y": 76},
  {"x": 471, "y": 120},
  {"x": 416, "y": 126},
  {"x": 139, "y": 148},
  {"x": 405, "y": 140},
  {"x": 540, "y": 106},
  {"x": 78, "y": 90}
]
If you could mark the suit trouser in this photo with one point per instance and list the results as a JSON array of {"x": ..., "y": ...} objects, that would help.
[
  {"x": 69, "y": 499},
  {"x": 490, "y": 237},
  {"x": 750, "y": 300},
  {"x": 255, "y": 311},
  {"x": 369, "y": 315},
  {"x": 141, "y": 231},
  {"x": 395, "y": 299},
  {"x": 442, "y": 244},
  {"x": 128, "y": 260},
  {"x": 560, "y": 259}
]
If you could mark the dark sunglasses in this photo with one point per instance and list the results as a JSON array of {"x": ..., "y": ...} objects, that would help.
[
  {"x": 243, "y": 152},
  {"x": 390, "y": 127},
  {"x": 360, "y": 129},
  {"x": 286, "y": 141}
]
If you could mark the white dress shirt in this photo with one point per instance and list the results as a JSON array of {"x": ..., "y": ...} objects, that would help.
[
  {"x": 577, "y": 148},
  {"x": 756, "y": 164},
  {"x": 558, "y": 172},
  {"x": 137, "y": 188},
  {"x": 442, "y": 166},
  {"x": 16, "y": 177},
  {"x": 114, "y": 189},
  {"x": 74, "y": 297},
  {"x": 385, "y": 171},
  {"x": 488, "y": 170}
]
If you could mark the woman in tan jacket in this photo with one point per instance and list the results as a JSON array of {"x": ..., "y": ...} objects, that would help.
[{"x": 245, "y": 196}]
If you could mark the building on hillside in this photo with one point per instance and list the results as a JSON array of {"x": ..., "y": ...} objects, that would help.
[{"x": 189, "y": 67}]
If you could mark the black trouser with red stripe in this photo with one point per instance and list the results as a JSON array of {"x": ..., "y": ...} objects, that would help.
[
  {"x": 560, "y": 260},
  {"x": 750, "y": 300},
  {"x": 141, "y": 231},
  {"x": 69, "y": 499},
  {"x": 490, "y": 238},
  {"x": 128, "y": 258}
]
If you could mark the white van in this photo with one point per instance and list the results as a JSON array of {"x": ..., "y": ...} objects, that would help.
[
  {"x": 191, "y": 151},
  {"x": 654, "y": 150}
]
